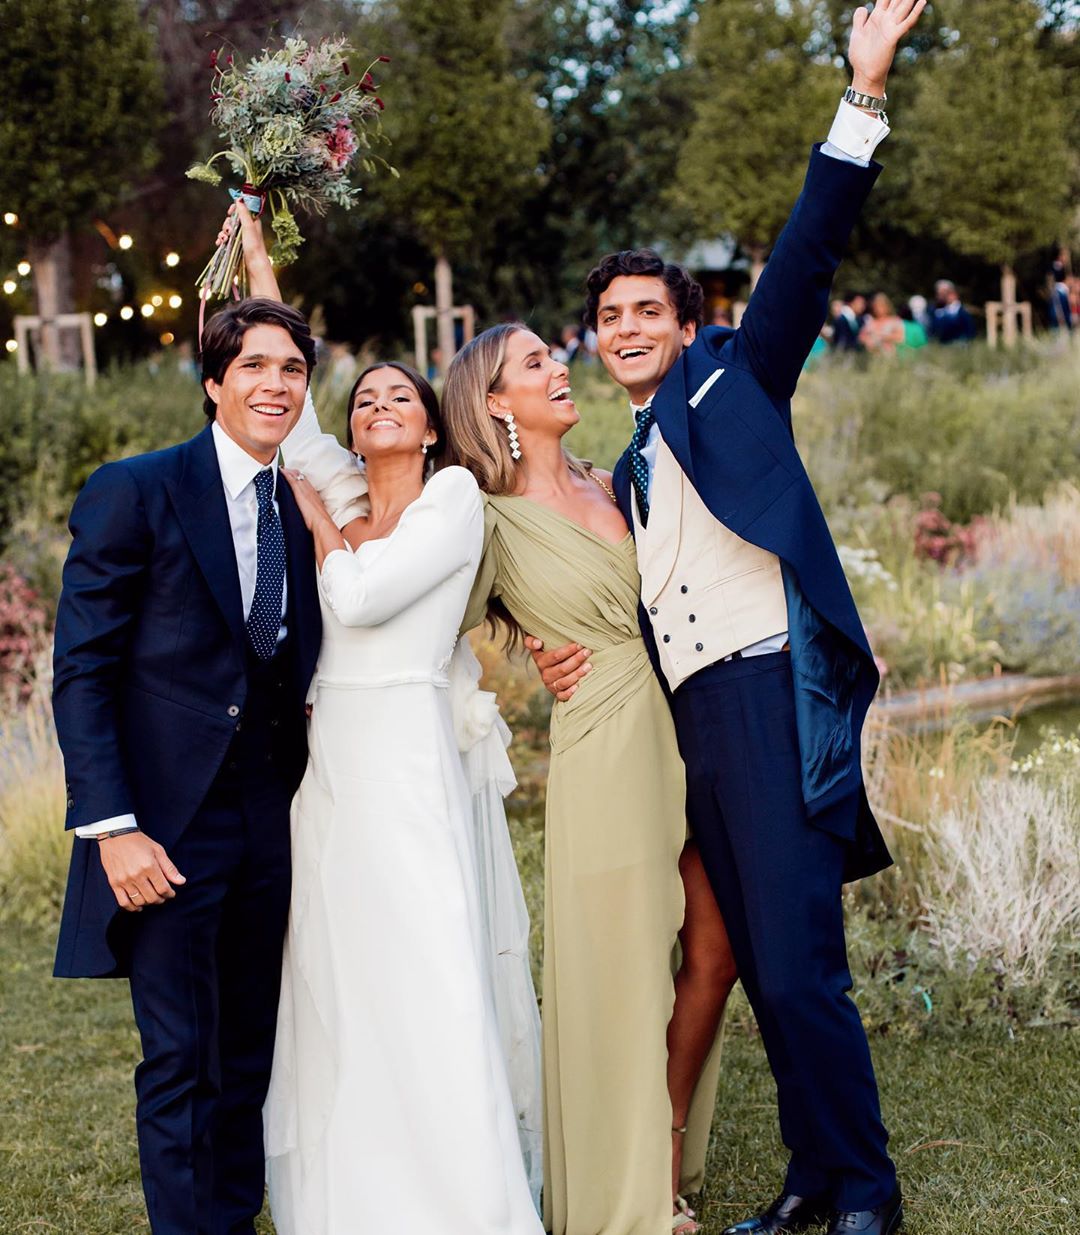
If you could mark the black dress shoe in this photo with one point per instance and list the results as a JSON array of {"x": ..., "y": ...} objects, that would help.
[
  {"x": 787, "y": 1213},
  {"x": 884, "y": 1220}
]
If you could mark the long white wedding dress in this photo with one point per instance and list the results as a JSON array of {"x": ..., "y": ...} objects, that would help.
[{"x": 390, "y": 1106}]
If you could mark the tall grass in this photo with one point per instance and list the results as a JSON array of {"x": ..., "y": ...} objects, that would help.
[{"x": 34, "y": 848}]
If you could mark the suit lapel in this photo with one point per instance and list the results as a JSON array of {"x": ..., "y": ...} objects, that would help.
[
  {"x": 198, "y": 498},
  {"x": 620, "y": 482}
]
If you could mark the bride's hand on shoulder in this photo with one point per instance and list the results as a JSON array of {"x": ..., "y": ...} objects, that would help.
[{"x": 307, "y": 499}]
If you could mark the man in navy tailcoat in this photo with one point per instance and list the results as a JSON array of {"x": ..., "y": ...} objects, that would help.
[
  {"x": 186, "y": 636},
  {"x": 752, "y": 628}
]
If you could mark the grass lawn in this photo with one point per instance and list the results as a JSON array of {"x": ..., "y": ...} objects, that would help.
[{"x": 985, "y": 1129}]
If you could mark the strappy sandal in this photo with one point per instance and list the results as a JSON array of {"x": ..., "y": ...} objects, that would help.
[{"x": 683, "y": 1219}]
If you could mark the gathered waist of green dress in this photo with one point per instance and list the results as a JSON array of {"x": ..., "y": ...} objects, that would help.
[{"x": 617, "y": 674}]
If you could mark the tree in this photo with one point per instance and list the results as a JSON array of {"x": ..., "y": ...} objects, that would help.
[
  {"x": 466, "y": 134},
  {"x": 761, "y": 98},
  {"x": 81, "y": 91},
  {"x": 992, "y": 172}
]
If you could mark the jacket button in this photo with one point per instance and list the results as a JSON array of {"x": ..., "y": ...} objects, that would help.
[
  {"x": 693, "y": 618},
  {"x": 233, "y": 710},
  {"x": 699, "y": 647},
  {"x": 684, "y": 589},
  {"x": 652, "y": 610},
  {"x": 667, "y": 638},
  {"x": 71, "y": 803}
]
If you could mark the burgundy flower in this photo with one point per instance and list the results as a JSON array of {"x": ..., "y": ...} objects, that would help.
[
  {"x": 288, "y": 77},
  {"x": 345, "y": 67},
  {"x": 379, "y": 103},
  {"x": 334, "y": 98},
  {"x": 384, "y": 59},
  {"x": 213, "y": 59}
]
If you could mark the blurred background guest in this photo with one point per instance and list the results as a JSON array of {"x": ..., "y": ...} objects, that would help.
[
  {"x": 848, "y": 323},
  {"x": 883, "y": 331},
  {"x": 950, "y": 321}
]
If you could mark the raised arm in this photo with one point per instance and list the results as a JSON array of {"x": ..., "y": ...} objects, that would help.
[
  {"x": 791, "y": 300},
  {"x": 334, "y": 471}
]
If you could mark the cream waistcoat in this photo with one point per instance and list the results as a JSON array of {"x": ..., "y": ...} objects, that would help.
[{"x": 708, "y": 592}]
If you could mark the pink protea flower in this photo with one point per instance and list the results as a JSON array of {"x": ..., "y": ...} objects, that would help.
[{"x": 340, "y": 145}]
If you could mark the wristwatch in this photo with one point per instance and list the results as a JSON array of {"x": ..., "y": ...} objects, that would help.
[
  {"x": 869, "y": 101},
  {"x": 118, "y": 832}
]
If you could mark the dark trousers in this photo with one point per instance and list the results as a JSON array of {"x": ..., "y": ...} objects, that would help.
[
  {"x": 205, "y": 976},
  {"x": 778, "y": 881}
]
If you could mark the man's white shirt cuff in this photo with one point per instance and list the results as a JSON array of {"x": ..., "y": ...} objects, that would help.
[
  {"x": 855, "y": 135},
  {"x": 89, "y": 830}
]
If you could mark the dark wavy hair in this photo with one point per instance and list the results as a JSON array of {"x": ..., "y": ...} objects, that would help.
[
  {"x": 224, "y": 337},
  {"x": 687, "y": 294},
  {"x": 428, "y": 398}
]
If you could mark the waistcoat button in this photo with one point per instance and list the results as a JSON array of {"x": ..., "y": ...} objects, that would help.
[
  {"x": 699, "y": 647},
  {"x": 684, "y": 589},
  {"x": 653, "y": 610},
  {"x": 693, "y": 618},
  {"x": 667, "y": 638},
  {"x": 233, "y": 710}
]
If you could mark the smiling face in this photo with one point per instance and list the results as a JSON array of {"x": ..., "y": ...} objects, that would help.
[
  {"x": 261, "y": 393},
  {"x": 534, "y": 388},
  {"x": 388, "y": 416},
  {"x": 640, "y": 336}
]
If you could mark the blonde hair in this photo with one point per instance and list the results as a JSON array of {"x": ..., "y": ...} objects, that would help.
[{"x": 474, "y": 440}]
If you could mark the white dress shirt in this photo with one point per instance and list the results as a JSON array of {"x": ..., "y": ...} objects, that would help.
[
  {"x": 238, "y": 471},
  {"x": 853, "y": 138}
]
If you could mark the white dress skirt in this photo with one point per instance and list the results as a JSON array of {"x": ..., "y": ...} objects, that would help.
[{"x": 405, "y": 1090}]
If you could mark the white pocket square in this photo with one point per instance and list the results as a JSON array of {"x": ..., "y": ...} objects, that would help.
[{"x": 705, "y": 387}]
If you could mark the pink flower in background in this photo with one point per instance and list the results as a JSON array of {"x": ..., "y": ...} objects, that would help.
[{"x": 341, "y": 145}]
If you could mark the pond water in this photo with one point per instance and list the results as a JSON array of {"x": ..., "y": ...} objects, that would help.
[{"x": 1063, "y": 714}]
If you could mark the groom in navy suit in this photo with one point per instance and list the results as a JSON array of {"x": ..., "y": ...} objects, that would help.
[
  {"x": 752, "y": 628},
  {"x": 186, "y": 636}
]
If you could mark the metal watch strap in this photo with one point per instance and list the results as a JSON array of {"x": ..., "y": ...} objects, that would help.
[
  {"x": 868, "y": 101},
  {"x": 119, "y": 832}
]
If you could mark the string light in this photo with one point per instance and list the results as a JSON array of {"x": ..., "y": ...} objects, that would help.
[
  {"x": 175, "y": 301},
  {"x": 10, "y": 218},
  {"x": 172, "y": 259},
  {"x": 125, "y": 241},
  {"x": 100, "y": 319},
  {"x": 23, "y": 268},
  {"x": 12, "y": 345},
  {"x": 127, "y": 313},
  {"x": 147, "y": 310},
  {"x": 157, "y": 301},
  {"x": 168, "y": 337},
  {"x": 10, "y": 286}
]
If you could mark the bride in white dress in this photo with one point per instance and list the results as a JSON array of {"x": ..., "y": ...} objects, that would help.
[{"x": 392, "y": 1106}]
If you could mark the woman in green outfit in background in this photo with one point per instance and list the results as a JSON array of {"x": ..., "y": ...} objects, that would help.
[{"x": 629, "y": 1059}]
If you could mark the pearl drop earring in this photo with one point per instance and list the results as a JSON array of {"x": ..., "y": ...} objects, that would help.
[
  {"x": 423, "y": 448},
  {"x": 511, "y": 428}
]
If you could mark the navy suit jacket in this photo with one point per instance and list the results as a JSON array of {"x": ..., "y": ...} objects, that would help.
[
  {"x": 150, "y": 665},
  {"x": 737, "y": 449}
]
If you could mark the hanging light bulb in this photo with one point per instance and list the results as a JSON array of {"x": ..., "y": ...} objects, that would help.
[
  {"x": 10, "y": 218},
  {"x": 172, "y": 259},
  {"x": 23, "y": 268},
  {"x": 147, "y": 310},
  {"x": 100, "y": 319},
  {"x": 127, "y": 313},
  {"x": 10, "y": 286},
  {"x": 175, "y": 301},
  {"x": 125, "y": 241}
]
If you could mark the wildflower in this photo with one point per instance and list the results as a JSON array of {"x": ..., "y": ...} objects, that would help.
[
  {"x": 384, "y": 59},
  {"x": 213, "y": 59},
  {"x": 345, "y": 67}
]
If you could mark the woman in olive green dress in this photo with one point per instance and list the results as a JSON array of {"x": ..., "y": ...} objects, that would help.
[{"x": 626, "y": 1115}]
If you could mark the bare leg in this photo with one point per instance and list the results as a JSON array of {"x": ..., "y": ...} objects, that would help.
[{"x": 702, "y": 986}]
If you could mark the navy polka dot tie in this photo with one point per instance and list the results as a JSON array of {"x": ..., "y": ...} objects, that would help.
[
  {"x": 639, "y": 469},
  {"x": 264, "y": 620}
]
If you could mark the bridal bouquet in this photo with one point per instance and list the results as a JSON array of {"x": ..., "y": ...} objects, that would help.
[{"x": 293, "y": 123}]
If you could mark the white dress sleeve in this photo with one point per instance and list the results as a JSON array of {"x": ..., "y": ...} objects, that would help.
[
  {"x": 438, "y": 535},
  {"x": 336, "y": 473}
]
